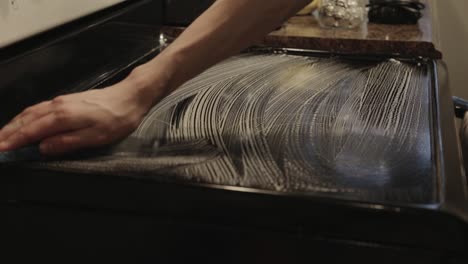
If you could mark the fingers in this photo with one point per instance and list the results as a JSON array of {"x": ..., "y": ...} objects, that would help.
[
  {"x": 68, "y": 142},
  {"x": 35, "y": 111},
  {"x": 46, "y": 126},
  {"x": 26, "y": 117},
  {"x": 64, "y": 124}
]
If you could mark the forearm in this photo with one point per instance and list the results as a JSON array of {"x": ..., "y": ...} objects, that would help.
[
  {"x": 226, "y": 28},
  {"x": 102, "y": 116}
]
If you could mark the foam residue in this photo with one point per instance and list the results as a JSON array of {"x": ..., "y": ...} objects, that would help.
[{"x": 288, "y": 123}]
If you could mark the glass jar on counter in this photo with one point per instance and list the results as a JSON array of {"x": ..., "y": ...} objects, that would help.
[{"x": 342, "y": 13}]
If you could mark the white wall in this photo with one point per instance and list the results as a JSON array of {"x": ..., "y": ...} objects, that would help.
[
  {"x": 23, "y": 18},
  {"x": 452, "y": 22}
]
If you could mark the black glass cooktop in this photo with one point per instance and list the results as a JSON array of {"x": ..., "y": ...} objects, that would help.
[{"x": 315, "y": 126}]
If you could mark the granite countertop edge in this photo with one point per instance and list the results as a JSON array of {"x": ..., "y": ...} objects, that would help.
[{"x": 413, "y": 49}]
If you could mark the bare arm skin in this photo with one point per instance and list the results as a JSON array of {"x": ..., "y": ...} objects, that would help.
[{"x": 98, "y": 117}]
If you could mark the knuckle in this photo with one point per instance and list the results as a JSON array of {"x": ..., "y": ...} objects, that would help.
[
  {"x": 29, "y": 110},
  {"x": 59, "y": 100},
  {"x": 62, "y": 114},
  {"x": 103, "y": 137},
  {"x": 24, "y": 134},
  {"x": 49, "y": 147},
  {"x": 59, "y": 141}
]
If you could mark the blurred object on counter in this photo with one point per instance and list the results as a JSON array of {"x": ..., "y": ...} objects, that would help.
[
  {"x": 309, "y": 8},
  {"x": 461, "y": 112},
  {"x": 342, "y": 13},
  {"x": 464, "y": 139},
  {"x": 395, "y": 11}
]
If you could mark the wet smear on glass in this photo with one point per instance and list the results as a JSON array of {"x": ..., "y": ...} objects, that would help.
[{"x": 285, "y": 123}]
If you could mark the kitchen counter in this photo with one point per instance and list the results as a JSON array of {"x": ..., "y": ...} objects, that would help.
[{"x": 304, "y": 32}]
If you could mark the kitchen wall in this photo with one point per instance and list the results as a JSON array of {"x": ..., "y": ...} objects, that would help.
[
  {"x": 20, "y": 19},
  {"x": 451, "y": 21}
]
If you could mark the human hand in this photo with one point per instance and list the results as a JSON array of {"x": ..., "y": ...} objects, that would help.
[{"x": 71, "y": 122}]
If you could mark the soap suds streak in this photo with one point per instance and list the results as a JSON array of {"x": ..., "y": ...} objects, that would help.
[{"x": 288, "y": 123}]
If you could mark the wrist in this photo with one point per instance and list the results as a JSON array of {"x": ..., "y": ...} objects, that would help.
[{"x": 150, "y": 83}]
